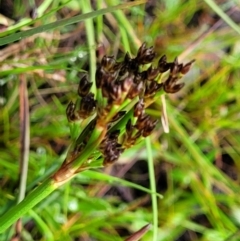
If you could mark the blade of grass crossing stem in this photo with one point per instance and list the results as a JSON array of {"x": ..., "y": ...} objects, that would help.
[
  {"x": 48, "y": 186},
  {"x": 64, "y": 22},
  {"x": 37, "y": 195},
  {"x": 153, "y": 188},
  {"x": 115, "y": 180},
  {"x": 86, "y": 7},
  {"x": 223, "y": 15}
]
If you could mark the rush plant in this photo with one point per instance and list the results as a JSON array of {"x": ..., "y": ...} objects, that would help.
[{"x": 108, "y": 117}]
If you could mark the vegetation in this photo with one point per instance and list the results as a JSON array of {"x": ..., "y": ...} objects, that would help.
[{"x": 183, "y": 178}]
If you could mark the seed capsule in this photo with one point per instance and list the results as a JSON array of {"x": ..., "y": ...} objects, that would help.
[
  {"x": 187, "y": 67},
  {"x": 70, "y": 112},
  {"x": 87, "y": 106},
  {"x": 145, "y": 55},
  {"x": 139, "y": 108},
  {"x": 84, "y": 86}
]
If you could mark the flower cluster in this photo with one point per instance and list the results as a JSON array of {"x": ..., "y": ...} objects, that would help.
[{"x": 123, "y": 92}]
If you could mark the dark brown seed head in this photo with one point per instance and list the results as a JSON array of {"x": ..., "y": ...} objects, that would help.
[
  {"x": 114, "y": 135},
  {"x": 128, "y": 66},
  {"x": 70, "y": 112},
  {"x": 118, "y": 81},
  {"x": 118, "y": 116},
  {"x": 139, "y": 108},
  {"x": 127, "y": 58},
  {"x": 84, "y": 86},
  {"x": 149, "y": 128},
  {"x": 162, "y": 60},
  {"x": 135, "y": 90},
  {"x": 145, "y": 55},
  {"x": 187, "y": 67},
  {"x": 175, "y": 88},
  {"x": 174, "y": 68},
  {"x": 152, "y": 73},
  {"x": 87, "y": 106},
  {"x": 163, "y": 66},
  {"x": 108, "y": 63},
  {"x": 115, "y": 94},
  {"x": 171, "y": 86},
  {"x": 152, "y": 88},
  {"x": 140, "y": 77},
  {"x": 126, "y": 84},
  {"x": 106, "y": 89},
  {"x": 99, "y": 77},
  {"x": 142, "y": 121},
  {"x": 110, "y": 148},
  {"x": 112, "y": 155},
  {"x": 129, "y": 127}
]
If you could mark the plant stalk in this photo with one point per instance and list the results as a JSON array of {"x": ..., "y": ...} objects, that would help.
[{"x": 38, "y": 194}]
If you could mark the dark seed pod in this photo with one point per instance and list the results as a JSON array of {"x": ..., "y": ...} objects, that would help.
[
  {"x": 145, "y": 55},
  {"x": 140, "y": 77},
  {"x": 108, "y": 63},
  {"x": 115, "y": 94},
  {"x": 99, "y": 77},
  {"x": 87, "y": 106},
  {"x": 84, "y": 86},
  {"x": 174, "y": 68},
  {"x": 110, "y": 148},
  {"x": 118, "y": 116},
  {"x": 127, "y": 59},
  {"x": 149, "y": 128},
  {"x": 162, "y": 60},
  {"x": 112, "y": 155},
  {"x": 171, "y": 86},
  {"x": 142, "y": 121},
  {"x": 70, "y": 112},
  {"x": 126, "y": 84},
  {"x": 163, "y": 66},
  {"x": 152, "y": 73},
  {"x": 135, "y": 90},
  {"x": 152, "y": 88},
  {"x": 114, "y": 135},
  {"x": 187, "y": 67},
  {"x": 129, "y": 127},
  {"x": 173, "y": 89},
  {"x": 139, "y": 108},
  {"x": 118, "y": 83}
]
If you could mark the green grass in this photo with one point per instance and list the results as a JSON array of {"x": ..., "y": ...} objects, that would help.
[{"x": 196, "y": 164}]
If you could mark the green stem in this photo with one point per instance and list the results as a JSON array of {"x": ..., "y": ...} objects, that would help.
[
  {"x": 37, "y": 195},
  {"x": 94, "y": 141},
  {"x": 86, "y": 7},
  {"x": 99, "y": 22},
  {"x": 51, "y": 183},
  {"x": 153, "y": 189}
]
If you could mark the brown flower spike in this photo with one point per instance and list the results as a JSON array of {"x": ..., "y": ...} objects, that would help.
[{"x": 120, "y": 85}]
